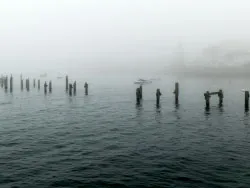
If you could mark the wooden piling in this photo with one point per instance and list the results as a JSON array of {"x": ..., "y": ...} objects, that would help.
[
  {"x": 50, "y": 86},
  {"x": 38, "y": 85},
  {"x": 34, "y": 83},
  {"x": 1, "y": 81},
  {"x": 140, "y": 91},
  {"x": 86, "y": 86},
  {"x": 11, "y": 83},
  {"x": 70, "y": 89},
  {"x": 220, "y": 95},
  {"x": 21, "y": 84},
  {"x": 28, "y": 84},
  {"x": 158, "y": 95},
  {"x": 246, "y": 99},
  {"x": 207, "y": 98},
  {"x": 67, "y": 83},
  {"x": 45, "y": 87},
  {"x": 74, "y": 88},
  {"x": 138, "y": 95},
  {"x": 6, "y": 83},
  {"x": 176, "y": 92}
]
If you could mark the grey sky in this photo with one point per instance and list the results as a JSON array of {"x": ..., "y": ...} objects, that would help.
[{"x": 101, "y": 33}]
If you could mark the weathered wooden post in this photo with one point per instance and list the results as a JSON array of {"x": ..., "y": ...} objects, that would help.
[
  {"x": 11, "y": 83},
  {"x": 86, "y": 86},
  {"x": 38, "y": 85},
  {"x": 176, "y": 92},
  {"x": 207, "y": 98},
  {"x": 28, "y": 84},
  {"x": 138, "y": 95},
  {"x": 158, "y": 95},
  {"x": 34, "y": 83},
  {"x": 246, "y": 99},
  {"x": 74, "y": 88},
  {"x": 21, "y": 84},
  {"x": 45, "y": 87},
  {"x": 1, "y": 81},
  {"x": 220, "y": 95},
  {"x": 6, "y": 83},
  {"x": 70, "y": 89},
  {"x": 50, "y": 86},
  {"x": 67, "y": 83},
  {"x": 140, "y": 91}
]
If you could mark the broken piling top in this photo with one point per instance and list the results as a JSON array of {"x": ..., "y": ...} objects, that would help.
[
  {"x": 158, "y": 93},
  {"x": 176, "y": 90},
  {"x": 207, "y": 95}
]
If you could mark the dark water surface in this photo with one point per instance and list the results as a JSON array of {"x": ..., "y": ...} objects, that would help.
[{"x": 105, "y": 140}]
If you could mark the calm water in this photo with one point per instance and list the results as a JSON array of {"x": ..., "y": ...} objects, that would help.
[{"x": 105, "y": 140}]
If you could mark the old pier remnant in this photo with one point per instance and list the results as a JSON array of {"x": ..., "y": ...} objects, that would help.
[{"x": 208, "y": 95}]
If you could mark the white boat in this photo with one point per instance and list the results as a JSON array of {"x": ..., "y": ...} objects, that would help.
[
  {"x": 43, "y": 75},
  {"x": 142, "y": 81},
  {"x": 59, "y": 76}
]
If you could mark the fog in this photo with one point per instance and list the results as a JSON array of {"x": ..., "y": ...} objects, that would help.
[{"x": 63, "y": 35}]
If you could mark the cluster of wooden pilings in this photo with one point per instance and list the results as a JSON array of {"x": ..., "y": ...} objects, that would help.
[
  {"x": 158, "y": 94},
  {"x": 70, "y": 88},
  {"x": 7, "y": 84}
]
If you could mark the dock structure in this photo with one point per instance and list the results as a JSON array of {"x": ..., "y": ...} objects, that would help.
[{"x": 208, "y": 95}]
